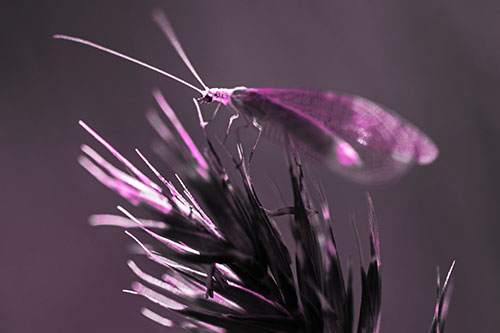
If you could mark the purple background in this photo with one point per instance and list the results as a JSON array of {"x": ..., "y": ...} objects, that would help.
[{"x": 435, "y": 62}]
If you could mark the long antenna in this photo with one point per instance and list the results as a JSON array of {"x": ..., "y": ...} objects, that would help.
[
  {"x": 121, "y": 55},
  {"x": 161, "y": 19}
]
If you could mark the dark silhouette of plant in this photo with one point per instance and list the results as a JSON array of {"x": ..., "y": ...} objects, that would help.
[{"x": 225, "y": 265}]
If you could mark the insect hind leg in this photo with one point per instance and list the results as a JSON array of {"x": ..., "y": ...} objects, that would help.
[
  {"x": 255, "y": 124},
  {"x": 259, "y": 128},
  {"x": 231, "y": 120}
]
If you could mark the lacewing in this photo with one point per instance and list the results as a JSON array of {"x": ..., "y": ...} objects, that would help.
[{"x": 351, "y": 135}]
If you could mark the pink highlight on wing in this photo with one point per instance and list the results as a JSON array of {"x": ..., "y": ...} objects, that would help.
[
  {"x": 156, "y": 317},
  {"x": 119, "y": 221},
  {"x": 346, "y": 155},
  {"x": 122, "y": 159},
  {"x": 182, "y": 132}
]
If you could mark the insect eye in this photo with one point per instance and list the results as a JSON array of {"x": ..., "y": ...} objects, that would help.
[{"x": 207, "y": 99}]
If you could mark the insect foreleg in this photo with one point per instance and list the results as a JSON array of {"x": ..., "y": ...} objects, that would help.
[{"x": 204, "y": 123}]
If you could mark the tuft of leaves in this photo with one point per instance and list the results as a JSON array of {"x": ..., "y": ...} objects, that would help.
[{"x": 225, "y": 265}]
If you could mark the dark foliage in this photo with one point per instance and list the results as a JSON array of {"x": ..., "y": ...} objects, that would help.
[{"x": 226, "y": 266}]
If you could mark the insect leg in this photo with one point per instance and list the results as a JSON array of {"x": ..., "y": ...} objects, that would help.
[
  {"x": 204, "y": 123},
  {"x": 259, "y": 128},
  {"x": 231, "y": 120}
]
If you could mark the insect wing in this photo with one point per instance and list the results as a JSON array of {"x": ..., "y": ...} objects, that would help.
[{"x": 386, "y": 144}]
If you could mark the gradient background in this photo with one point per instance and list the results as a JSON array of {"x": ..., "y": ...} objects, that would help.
[{"x": 435, "y": 62}]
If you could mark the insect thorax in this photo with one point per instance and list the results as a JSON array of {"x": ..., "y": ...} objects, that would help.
[
  {"x": 251, "y": 103},
  {"x": 219, "y": 95}
]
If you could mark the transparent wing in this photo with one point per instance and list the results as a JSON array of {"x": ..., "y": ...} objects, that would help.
[{"x": 371, "y": 144}]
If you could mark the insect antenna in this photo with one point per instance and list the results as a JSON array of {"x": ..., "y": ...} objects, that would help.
[
  {"x": 123, "y": 56},
  {"x": 161, "y": 19}
]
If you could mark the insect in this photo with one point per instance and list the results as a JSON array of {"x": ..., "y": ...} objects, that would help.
[{"x": 351, "y": 135}]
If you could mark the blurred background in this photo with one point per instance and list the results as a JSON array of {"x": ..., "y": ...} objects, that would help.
[{"x": 436, "y": 63}]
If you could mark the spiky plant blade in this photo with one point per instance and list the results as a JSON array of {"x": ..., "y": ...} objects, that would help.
[{"x": 225, "y": 265}]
